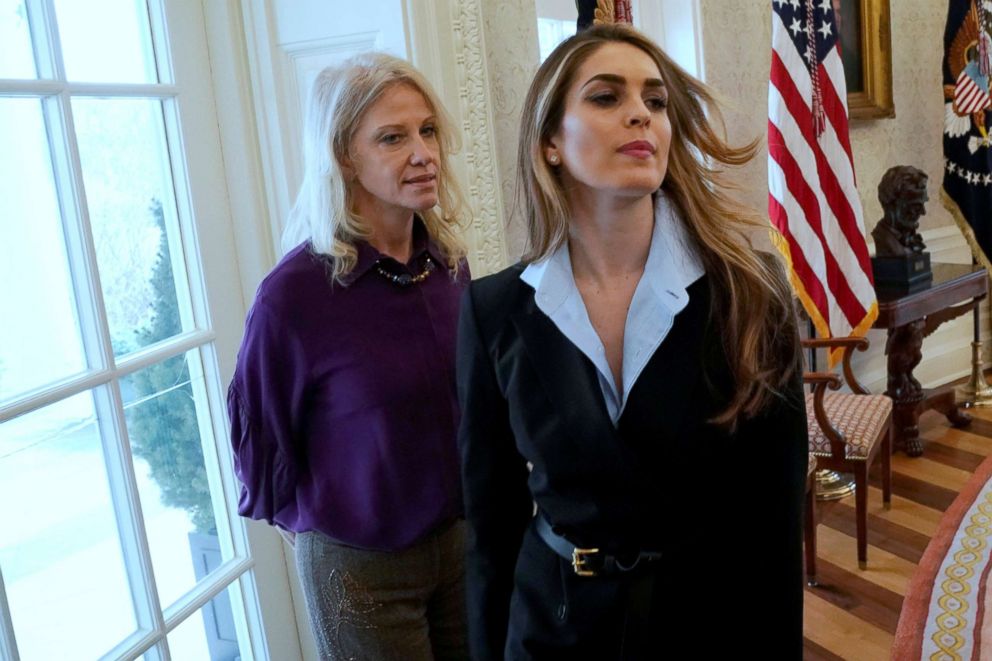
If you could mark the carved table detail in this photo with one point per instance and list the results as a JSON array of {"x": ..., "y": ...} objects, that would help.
[{"x": 909, "y": 318}]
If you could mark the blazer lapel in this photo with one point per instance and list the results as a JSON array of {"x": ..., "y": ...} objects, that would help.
[
  {"x": 567, "y": 376},
  {"x": 672, "y": 379}
]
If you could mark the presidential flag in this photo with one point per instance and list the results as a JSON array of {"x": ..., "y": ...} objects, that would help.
[
  {"x": 967, "y": 190},
  {"x": 603, "y": 11},
  {"x": 813, "y": 200}
]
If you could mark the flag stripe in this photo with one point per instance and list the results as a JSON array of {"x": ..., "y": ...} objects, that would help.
[
  {"x": 805, "y": 250},
  {"x": 779, "y": 218},
  {"x": 812, "y": 192},
  {"x": 835, "y": 105},
  {"x": 831, "y": 163},
  {"x": 807, "y": 198},
  {"x": 794, "y": 225},
  {"x": 838, "y": 174}
]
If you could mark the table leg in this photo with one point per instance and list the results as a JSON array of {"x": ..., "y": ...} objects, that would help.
[
  {"x": 904, "y": 351},
  {"x": 943, "y": 400}
]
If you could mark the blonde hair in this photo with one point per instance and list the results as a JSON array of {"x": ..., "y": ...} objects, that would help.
[
  {"x": 323, "y": 213},
  {"x": 750, "y": 295}
]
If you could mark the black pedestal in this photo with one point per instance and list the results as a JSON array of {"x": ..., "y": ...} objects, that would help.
[{"x": 902, "y": 274}]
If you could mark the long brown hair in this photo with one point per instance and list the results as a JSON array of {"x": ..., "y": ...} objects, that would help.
[{"x": 751, "y": 301}]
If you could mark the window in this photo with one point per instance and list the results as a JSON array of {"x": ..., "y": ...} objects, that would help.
[
  {"x": 551, "y": 32},
  {"x": 555, "y": 23},
  {"x": 672, "y": 24},
  {"x": 115, "y": 487}
]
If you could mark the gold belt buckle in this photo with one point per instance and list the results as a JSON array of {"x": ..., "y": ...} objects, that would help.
[{"x": 579, "y": 559}]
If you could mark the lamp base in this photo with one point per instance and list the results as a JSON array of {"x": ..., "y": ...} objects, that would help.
[
  {"x": 831, "y": 485},
  {"x": 976, "y": 393}
]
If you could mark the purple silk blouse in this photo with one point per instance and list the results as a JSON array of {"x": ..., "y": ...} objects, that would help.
[{"x": 343, "y": 406}]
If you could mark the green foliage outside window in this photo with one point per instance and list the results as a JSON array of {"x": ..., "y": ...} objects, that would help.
[{"x": 163, "y": 426}]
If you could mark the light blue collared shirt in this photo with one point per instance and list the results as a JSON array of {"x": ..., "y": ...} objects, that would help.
[{"x": 672, "y": 265}]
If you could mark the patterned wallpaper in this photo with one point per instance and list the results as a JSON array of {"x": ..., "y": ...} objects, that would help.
[{"x": 737, "y": 43}]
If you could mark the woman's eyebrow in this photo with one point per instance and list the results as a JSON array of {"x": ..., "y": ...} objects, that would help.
[{"x": 620, "y": 80}]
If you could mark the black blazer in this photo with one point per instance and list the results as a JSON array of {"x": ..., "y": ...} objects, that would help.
[{"x": 724, "y": 508}]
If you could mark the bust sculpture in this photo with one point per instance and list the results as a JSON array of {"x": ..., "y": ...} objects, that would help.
[{"x": 903, "y": 194}]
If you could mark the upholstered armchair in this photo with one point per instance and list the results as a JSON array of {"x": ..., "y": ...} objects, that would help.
[{"x": 848, "y": 431}]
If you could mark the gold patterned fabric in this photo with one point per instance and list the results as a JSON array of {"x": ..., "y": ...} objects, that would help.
[
  {"x": 859, "y": 417},
  {"x": 811, "y": 467}
]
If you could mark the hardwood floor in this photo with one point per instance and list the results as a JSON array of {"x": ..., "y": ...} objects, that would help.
[{"x": 852, "y": 614}]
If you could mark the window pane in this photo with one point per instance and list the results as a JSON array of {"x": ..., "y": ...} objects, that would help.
[
  {"x": 551, "y": 32},
  {"x": 16, "y": 58},
  {"x": 208, "y": 634},
  {"x": 106, "y": 41},
  {"x": 60, "y": 552},
  {"x": 164, "y": 406},
  {"x": 129, "y": 191},
  {"x": 38, "y": 343}
]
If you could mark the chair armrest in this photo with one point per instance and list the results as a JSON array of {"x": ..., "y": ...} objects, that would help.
[
  {"x": 860, "y": 343},
  {"x": 847, "y": 345},
  {"x": 821, "y": 381},
  {"x": 829, "y": 378}
]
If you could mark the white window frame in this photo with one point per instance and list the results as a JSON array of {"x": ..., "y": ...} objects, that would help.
[
  {"x": 207, "y": 263},
  {"x": 677, "y": 26}
]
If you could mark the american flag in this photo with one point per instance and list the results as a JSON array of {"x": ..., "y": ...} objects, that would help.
[
  {"x": 812, "y": 196},
  {"x": 969, "y": 97}
]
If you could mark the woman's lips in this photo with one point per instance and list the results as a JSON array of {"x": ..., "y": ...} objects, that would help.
[
  {"x": 422, "y": 180},
  {"x": 638, "y": 149}
]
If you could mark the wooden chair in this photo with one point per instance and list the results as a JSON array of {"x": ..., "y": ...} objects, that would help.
[
  {"x": 811, "y": 522},
  {"x": 848, "y": 431}
]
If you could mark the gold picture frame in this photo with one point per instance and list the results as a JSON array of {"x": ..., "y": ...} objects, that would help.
[{"x": 866, "y": 50}]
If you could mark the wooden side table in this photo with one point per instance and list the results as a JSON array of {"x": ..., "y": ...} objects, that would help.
[{"x": 956, "y": 290}]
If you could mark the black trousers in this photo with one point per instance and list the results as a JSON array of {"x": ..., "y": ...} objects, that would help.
[
  {"x": 696, "y": 612},
  {"x": 555, "y": 613}
]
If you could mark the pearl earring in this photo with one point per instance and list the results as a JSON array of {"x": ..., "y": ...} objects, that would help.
[{"x": 554, "y": 159}]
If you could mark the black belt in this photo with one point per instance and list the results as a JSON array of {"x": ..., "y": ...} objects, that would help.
[{"x": 591, "y": 561}]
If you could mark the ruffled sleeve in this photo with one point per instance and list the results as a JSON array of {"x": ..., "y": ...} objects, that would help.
[{"x": 265, "y": 403}]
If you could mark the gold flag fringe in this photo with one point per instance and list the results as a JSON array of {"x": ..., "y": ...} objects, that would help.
[
  {"x": 822, "y": 328},
  {"x": 963, "y": 225}
]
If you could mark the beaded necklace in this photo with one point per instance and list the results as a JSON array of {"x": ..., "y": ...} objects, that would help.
[{"x": 405, "y": 279}]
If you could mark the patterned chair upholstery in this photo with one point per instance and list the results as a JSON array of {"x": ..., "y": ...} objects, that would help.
[
  {"x": 859, "y": 418},
  {"x": 848, "y": 431}
]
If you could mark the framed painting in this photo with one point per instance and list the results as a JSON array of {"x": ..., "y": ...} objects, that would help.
[{"x": 866, "y": 51}]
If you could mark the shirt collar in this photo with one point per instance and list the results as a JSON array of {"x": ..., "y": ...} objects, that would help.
[
  {"x": 673, "y": 264},
  {"x": 368, "y": 256},
  {"x": 673, "y": 260}
]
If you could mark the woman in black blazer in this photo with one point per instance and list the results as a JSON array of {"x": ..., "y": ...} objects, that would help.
[{"x": 633, "y": 432}]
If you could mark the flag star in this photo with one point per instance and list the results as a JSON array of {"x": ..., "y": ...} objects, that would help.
[
  {"x": 796, "y": 27},
  {"x": 778, "y": 2},
  {"x": 825, "y": 6},
  {"x": 987, "y": 179},
  {"x": 825, "y": 29},
  {"x": 951, "y": 167},
  {"x": 795, "y": 4}
]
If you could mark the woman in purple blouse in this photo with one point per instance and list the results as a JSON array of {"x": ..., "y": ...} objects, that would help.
[{"x": 343, "y": 405}]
